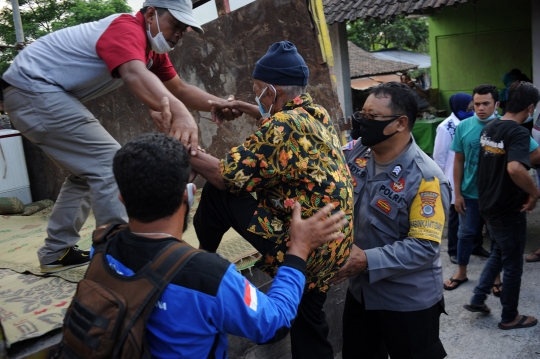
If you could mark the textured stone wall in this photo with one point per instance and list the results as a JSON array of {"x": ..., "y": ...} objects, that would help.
[{"x": 220, "y": 62}]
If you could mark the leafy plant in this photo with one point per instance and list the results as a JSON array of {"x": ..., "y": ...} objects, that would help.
[{"x": 398, "y": 31}]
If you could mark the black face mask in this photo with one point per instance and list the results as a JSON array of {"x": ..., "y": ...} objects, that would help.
[{"x": 371, "y": 131}]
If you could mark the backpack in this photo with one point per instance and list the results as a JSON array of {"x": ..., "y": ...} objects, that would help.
[{"x": 107, "y": 317}]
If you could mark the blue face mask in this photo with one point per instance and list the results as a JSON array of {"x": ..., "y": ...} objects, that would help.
[
  {"x": 264, "y": 114},
  {"x": 492, "y": 117},
  {"x": 463, "y": 115}
]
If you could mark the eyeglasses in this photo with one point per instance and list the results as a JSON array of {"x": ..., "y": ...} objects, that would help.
[{"x": 357, "y": 116}]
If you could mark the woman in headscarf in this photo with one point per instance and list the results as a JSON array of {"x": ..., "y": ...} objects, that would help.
[
  {"x": 507, "y": 79},
  {"x": 461, "y": 106}
]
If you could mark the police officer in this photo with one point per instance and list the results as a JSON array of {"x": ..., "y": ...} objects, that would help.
[{"x": 401, "y": 198}]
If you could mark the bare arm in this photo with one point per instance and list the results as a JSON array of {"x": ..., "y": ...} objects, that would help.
[
  {"x": 535, "y": 156},
  {"x": 193, "y": 97},
  {"x": 519, "y": 174},
  {"x": 150, "y": 90},
  {"x": 196, "y": 99},
  {"x": 459, "y": 162},
  {"x": 236, "y": 105},
  {"x": 208, "y": 167}
]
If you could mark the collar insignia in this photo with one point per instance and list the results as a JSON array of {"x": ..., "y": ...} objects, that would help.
[{"x": 396, "y": 171}]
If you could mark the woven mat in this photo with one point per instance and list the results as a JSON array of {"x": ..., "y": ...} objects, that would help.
[
  {"x": 31, "y": 306},
  {"x": 20, "y": 238}
]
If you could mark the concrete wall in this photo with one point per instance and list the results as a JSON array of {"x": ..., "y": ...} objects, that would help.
[
  {"x": 338, "y": 38},
  {"x": 477, "y": 43},
  {"x": 221, "y": 62}
]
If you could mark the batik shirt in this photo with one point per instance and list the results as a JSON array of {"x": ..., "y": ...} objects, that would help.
[{"x": 294, "y": 156}]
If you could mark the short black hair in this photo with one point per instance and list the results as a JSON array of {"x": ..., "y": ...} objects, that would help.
[
  {"x": 160, "y": 10},
  {"x": 521, "y": 95},
  {"x": 402, "y": 100},
  {"x": 487, "y": 89},
  {"x": 152, "y": 171}
]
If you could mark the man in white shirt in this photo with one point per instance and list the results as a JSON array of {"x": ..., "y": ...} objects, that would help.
[{"x": 462, "y": 108}]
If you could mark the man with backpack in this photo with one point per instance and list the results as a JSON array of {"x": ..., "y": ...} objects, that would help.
[{"x": 206, "y": 298}]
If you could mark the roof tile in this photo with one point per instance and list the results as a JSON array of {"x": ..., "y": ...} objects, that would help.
[
  {"x": 362, "y": 63},
  {"x": 343, "y": 10}
]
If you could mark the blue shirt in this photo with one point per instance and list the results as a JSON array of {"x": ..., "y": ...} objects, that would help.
[{"x": 209, "y": 299}]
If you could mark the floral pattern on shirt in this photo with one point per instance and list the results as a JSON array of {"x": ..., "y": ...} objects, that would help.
[{"x": 294, "y": 156}]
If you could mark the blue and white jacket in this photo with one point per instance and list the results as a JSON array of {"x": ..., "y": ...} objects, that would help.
[{"x": 209, "y": 299}]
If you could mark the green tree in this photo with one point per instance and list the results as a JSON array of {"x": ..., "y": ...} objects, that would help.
[
  {"x": 398, "y": 31},
  {"x": 40, "y": 17}
]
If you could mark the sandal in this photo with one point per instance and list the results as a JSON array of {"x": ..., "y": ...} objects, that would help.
[
  {"x": 519, "y": 324},
  {"x": 458, "y": 281},
  {"x": 497, "y": 289},
  {"x": 535, "y": 257},
  {"x": 484, "y": 309}
]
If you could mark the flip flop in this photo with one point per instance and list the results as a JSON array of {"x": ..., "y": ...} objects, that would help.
[
  {"x": 477, "y": 308},
  {"x": 535, "y": 257},
  {"x": 519, "y": 324},
  {"x": 458, "y": 281},
  {"x": 498, "y": 288}
]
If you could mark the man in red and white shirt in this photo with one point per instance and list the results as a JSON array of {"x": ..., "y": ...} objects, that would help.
[{"x": 49, "y": 80}]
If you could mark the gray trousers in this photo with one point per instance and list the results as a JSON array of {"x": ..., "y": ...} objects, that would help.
[{"x": 73, "y": 138}]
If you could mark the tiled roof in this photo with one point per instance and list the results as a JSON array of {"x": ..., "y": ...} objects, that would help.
[
  {"x": 349, "y": 10},
  {"x": 363, "y": 63}
]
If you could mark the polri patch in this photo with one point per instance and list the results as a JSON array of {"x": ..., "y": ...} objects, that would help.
[
  {"x": 397, "y": 170},
  {"x": 399, "y": 185},
  {"x": 384, "y": 205},
  {"x": 361, "y": 162},
  {"x": 428, "y": 200}
]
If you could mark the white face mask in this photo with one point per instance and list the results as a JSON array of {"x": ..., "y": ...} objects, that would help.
[
  {"x": 159, "y": 44},
  {"x": 191, "y": 197}
]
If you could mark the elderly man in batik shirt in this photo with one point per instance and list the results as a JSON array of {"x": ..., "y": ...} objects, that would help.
[{"x": 295, "y": 155}]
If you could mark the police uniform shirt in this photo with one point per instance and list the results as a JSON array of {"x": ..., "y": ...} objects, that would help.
[{"x": 399, "y": 219}]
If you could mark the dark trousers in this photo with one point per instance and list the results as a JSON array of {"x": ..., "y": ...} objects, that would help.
[
  {"x": 453, "y": 226},
  {"x": 470, "y": 227},
  {"x": 220, "y": 210},
  {"x": 377, "y": 334},
  {"x": 508, "y": 238}
]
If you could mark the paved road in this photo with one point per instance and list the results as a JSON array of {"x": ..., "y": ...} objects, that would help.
[{"x": 467, "y": 335}]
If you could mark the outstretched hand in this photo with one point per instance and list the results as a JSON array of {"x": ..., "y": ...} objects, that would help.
[
  {"x": 224, "y": 110},
  {"x": 182, "y": 128},
  {"x": 309, "y": 234},
  {"x": 162, "y": 119}
]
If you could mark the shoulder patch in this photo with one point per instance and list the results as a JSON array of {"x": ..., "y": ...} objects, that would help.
[
  {"x": 250, "y": 295},
  {"x": 426, "y": 216}
]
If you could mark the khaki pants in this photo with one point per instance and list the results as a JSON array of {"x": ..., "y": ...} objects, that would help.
[{"x": 68, "y": 133}]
